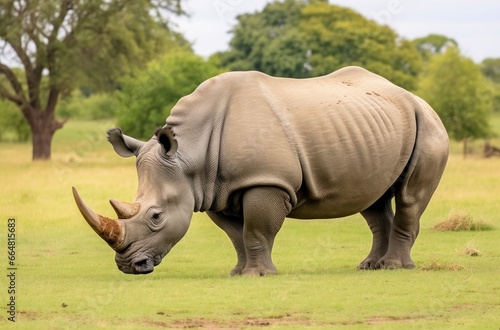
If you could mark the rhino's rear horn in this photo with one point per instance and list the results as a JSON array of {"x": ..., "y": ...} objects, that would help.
[
  {"x": 110, "y": 230},
  {"x": 125, "y": 210}
]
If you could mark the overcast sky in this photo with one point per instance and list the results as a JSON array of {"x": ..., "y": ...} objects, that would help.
[{"x": 475, "y": 25}]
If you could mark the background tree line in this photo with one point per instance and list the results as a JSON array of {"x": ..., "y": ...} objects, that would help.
[{"x": 127, "y": 63}]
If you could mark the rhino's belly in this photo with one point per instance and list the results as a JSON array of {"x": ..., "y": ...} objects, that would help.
[
  {"x": 345, "y": 201},
  {"x": 329, "y": 208}
]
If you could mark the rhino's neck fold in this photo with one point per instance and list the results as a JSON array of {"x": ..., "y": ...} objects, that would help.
[
  {"x": 204, "y": 169},
  {"x": 198, "y": 130}
]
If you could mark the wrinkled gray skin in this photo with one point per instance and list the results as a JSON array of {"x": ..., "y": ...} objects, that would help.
[{"x": 250, "y": 150}]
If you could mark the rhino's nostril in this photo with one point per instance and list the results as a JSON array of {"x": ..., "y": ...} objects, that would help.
[{"x": 143, "y": 266}]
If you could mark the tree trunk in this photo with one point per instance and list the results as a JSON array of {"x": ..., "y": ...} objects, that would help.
[
  {"x": 465, "y": 147},
  {"x": 43, "y": 126},
  {"x": 41, "y": 138}
]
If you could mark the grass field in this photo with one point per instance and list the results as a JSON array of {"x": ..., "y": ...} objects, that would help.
[{"x": 67, "y": 277}]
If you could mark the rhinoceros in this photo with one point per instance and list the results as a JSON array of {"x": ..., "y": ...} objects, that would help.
[{"x": 250, "y": 150}]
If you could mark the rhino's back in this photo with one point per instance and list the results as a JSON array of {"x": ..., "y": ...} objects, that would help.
[{"x": 334, "y": 143}]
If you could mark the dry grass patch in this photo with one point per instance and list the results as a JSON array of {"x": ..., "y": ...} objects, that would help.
[
  {"x": 462, "y": 221},
  {"x": 471, "y": 250}
]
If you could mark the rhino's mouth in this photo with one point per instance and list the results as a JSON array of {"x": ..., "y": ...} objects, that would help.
[
  {"x": 143, "y": 266},
  {"x": 140, "y": 265}
]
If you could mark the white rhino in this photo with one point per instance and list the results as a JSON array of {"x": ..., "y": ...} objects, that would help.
[{"x": 250, "y": 150}]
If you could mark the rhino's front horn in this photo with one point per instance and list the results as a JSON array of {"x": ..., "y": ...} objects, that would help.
[
  {"x": 125, "y": 210},
  {"x": 112, "y": 231}
]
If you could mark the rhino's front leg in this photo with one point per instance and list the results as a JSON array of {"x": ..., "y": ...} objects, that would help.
[
  {"x": 264, "y": 210},
  {"x": 233, "y": 226}
]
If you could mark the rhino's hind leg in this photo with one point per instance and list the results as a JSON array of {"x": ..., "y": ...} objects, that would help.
[
  {"x": 264, "y": 210},
  {"x": 379, "y": 217},
  {"x": 233, "y": 226},
  {"x": 419, "y": 181}
]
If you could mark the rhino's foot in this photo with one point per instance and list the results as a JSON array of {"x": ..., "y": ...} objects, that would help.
[
  {"x": 372, "y": 259},
  {"x": 259, "y": 271},
  {"x": 394, "y": 264},
  {"x": 237, "y": 270},
  {"x": 368, "y": 264}
]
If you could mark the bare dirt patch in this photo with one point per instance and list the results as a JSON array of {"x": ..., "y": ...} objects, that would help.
[
  {"x": 29, "y": 315},
  {"x": 265, "y": 322},
  {"x": 249, "y": 322},
  {"x": 377, "y": 320}
]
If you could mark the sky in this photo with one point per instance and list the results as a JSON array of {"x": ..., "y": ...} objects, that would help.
[{"x": 475, "y": 25}]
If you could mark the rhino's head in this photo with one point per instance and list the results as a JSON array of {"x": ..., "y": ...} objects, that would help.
[{"x": 148, "y": 228}]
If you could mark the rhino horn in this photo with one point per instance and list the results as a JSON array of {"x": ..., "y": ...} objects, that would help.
[
  {"x": 110, "y": 230},
  {"x": 125, "y": 210}
]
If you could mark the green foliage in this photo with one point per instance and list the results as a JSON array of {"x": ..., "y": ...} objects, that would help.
[
  {"x": 433, "y": 44},
  {"x": 72, "y": 43},
  {"x": 496, "y": 97},
  {"x": 13, "y": 126},
  {"x": 491, "y": 69},
  {"x": 312, "y": 38},
  {"x": 95, "y": 106},
  {"x": 455, "y": 87},
  {"x": 96, "y": 41},
  {"x": 148, "y": 96},
  {"x": 131, "y": 37},
  {"x": 269, "y": 41}
]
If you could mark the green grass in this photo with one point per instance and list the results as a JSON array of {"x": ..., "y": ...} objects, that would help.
[{"x": 67, "y": 277}]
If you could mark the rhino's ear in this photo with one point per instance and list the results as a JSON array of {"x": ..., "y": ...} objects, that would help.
[
  {"x": 166, "y": 140},
  {"x": 124, "y": 146}
]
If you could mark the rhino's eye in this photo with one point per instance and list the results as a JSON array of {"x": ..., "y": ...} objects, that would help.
[{"x": 155, "y": 219}]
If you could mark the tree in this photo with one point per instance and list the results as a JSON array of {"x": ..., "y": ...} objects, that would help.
[
  {"x": 60, "y": 42},
  {"x": 433, "y": 44},
  {"x": 456, "y": 88},
  {"x": 268, "y": 41},
  {"x": 148, "y": 96},
  {"x": 491, "y": 69},
  {"x": 14, "y": 127},
  {"x": 92, "y": 107},
  {"x": 310, "y": 38}
]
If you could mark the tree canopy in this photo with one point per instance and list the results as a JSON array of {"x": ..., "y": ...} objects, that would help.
[
  {"x": 148, "y": 96},
  {"x": 456, "y": 88},
  {"x": 61, "y": 42},
  {"x": 491, "y": 69},
  {"x": 433, "y": 44},
  {"x": 310, "y": 38}
]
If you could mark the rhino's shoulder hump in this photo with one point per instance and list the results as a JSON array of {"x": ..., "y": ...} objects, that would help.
[
  {"x": 351, "y": 74},
  {"x": 210, "y": 99},
  {"x": 351, "y": 71},
  {"x": 230, "y": 79}
]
